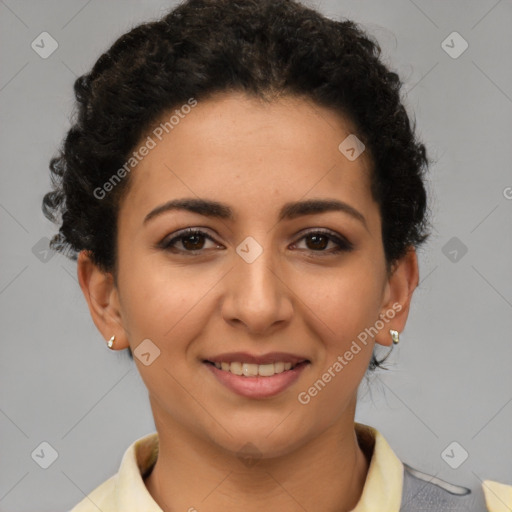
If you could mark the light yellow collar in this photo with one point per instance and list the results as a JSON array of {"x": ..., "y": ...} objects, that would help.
[
  {"x": 382, "y": 489},
  {"x": 126, "y": 491}
]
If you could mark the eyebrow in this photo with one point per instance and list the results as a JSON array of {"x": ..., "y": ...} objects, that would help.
[{"x": 289, "y": 211}]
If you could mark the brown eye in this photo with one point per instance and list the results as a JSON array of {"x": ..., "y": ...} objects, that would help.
[
  {"x": 318, "y": 241},
  {"x": 191, "y": 240}
]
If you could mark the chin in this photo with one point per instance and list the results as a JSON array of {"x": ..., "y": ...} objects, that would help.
[{"x": 260, "y": 440}]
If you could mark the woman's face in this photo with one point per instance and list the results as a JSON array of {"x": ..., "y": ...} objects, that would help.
[{"x": 259, "y": 283}]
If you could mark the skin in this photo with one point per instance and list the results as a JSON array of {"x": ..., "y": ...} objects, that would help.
[{"x": 295, "y": 297}]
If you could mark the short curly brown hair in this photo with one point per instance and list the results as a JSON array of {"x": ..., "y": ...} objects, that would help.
[{"x": 263, "y": 48}]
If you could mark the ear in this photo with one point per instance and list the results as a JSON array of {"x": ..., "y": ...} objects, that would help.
[
  {"x": 397, "y": 296},
  {"x": 102, "y": 297}
]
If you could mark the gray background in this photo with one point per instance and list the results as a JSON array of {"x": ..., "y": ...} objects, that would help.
[{"x": 450, "y": 378}]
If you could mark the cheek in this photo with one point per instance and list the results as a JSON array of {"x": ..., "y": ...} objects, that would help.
[
  {"x": 346, "y": 303},
  {"x": 163, "y": 303},
  {"x": 340, "y": 312}
]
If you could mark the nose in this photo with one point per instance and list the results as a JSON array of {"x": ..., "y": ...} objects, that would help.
[{"x": 257, "y": 295}]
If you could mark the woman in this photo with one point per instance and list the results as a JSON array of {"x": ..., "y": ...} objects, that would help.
[{"x": 245, "y": 195}]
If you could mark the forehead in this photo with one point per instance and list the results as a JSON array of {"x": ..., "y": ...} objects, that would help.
[{"x": 240, "y": 149}]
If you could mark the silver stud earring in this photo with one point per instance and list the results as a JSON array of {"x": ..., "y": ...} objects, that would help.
[
  {"x": 396, "y": 339},
  {"x": 110, "y": 343}
]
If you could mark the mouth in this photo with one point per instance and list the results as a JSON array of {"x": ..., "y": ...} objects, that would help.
[
  {"x": 256, "y": 370},
  {"x": 256, "y": 377}
]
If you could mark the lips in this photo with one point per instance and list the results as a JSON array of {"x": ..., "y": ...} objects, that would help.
[
  {"x": 245, "y": 357},
  {"x": 257, "y": 376}
]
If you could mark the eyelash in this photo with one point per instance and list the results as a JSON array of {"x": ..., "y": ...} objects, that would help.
[{"x": 342, "y": 244}]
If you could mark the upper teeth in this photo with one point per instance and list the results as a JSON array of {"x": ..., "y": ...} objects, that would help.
[{"x": 253, "y": 370}]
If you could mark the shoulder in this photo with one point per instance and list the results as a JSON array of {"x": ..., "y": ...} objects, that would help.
[
  {"x": 424, "y": 492},
  {"x": 125, "y": 488},
  {"x": 100, "y": 498}
]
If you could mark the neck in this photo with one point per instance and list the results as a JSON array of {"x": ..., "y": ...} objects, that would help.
[{"x": 326, "y": 474}]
